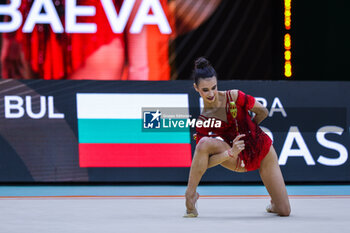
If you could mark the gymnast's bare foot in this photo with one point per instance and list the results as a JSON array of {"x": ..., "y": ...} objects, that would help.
[
  {"x": 271, "y": 208},
  {"x": 191, "y": 210}
]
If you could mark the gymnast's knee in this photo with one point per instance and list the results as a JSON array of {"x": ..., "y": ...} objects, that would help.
[{"x": 203, "y": 144}]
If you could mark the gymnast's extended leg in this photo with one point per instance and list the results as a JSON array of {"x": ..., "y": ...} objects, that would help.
[{"x": 272, "y": 178}]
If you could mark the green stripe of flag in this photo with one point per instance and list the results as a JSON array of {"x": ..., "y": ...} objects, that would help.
[{"x": 126, "y": 131}]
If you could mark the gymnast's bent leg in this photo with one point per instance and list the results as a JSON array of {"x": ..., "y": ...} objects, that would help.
[{"x": 200, "y": 163}]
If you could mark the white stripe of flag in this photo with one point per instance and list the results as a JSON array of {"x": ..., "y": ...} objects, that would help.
[{"x": 124, "y": 106}]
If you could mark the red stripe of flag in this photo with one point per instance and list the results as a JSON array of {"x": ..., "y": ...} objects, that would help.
[{"x": 134, "y": 155}]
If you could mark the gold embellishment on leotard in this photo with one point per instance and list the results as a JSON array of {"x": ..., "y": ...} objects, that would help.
[{"x": 233, "y": 109}]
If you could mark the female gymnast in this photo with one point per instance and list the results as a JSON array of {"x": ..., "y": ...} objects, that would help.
[{"x": 238, "y": 144}]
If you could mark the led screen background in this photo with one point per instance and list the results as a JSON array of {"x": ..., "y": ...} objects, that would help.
[{"x": 240, "y": 37}]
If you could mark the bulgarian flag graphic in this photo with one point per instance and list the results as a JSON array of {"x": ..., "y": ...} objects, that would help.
[{"x": 111, "y": 134}]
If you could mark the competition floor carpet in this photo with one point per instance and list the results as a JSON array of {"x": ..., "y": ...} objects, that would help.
[{"x": 160, "y": 209}]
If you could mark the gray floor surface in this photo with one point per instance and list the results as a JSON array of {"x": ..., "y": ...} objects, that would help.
[{"x": 153, "y": 215}]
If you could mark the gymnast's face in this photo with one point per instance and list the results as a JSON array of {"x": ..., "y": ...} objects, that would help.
[{"x": 208, "y": 89}]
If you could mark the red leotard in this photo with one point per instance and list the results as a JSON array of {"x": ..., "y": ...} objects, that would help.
[{"x": 257, "y": 143}]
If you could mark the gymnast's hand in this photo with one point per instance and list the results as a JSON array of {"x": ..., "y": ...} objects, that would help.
[{"x": 237, "y": 146}]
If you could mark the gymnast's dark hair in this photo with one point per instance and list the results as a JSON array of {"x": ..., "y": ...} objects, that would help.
[{"x": 202, "y": 69}]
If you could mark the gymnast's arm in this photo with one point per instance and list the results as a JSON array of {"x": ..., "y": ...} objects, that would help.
[{"x": 260, "y": 112}]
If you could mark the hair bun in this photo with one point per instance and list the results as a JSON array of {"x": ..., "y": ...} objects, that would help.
[{"x": 201, "y": 63}]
